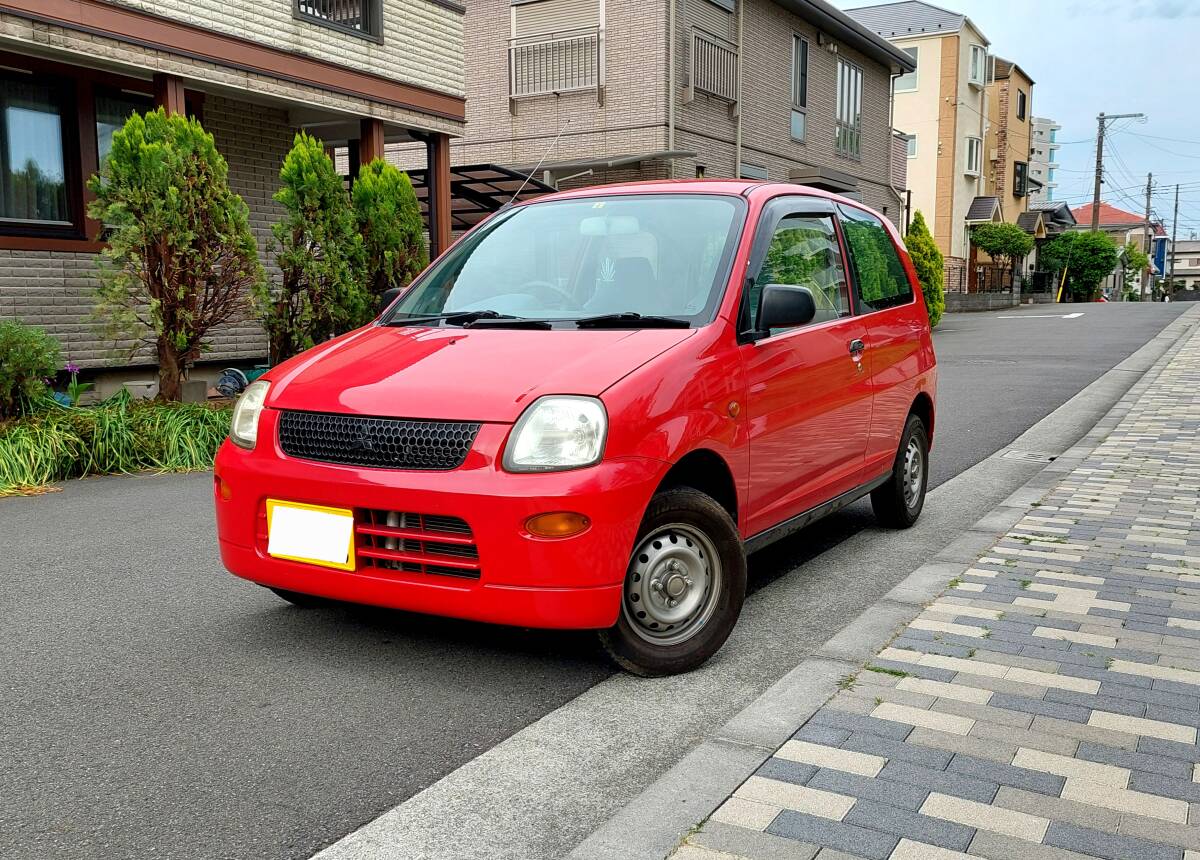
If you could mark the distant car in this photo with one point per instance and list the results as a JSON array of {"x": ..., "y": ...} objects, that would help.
[{"x": 588, "y": 411}]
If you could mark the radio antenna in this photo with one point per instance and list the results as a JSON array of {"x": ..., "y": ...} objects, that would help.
[{"x": 545, "y": 155}]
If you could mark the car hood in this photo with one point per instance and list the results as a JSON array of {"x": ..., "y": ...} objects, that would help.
[{"x": 456, "y": 374}]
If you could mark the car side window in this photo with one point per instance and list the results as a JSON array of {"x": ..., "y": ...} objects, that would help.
[
  {"x": 879, "y": 275},
  {"x": 804, "y": 252}
]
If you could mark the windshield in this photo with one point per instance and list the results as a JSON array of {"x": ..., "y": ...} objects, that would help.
[{"x": 653, "y": 255}]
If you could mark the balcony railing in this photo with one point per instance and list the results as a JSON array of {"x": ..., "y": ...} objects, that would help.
[
  {"x": 556, "y": 63},
  {"x": 359, "y": 16},
  {"x": 714, "y": 66}
]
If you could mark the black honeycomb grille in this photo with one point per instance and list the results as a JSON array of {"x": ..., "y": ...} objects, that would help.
[{"x": 385, "y": 443}]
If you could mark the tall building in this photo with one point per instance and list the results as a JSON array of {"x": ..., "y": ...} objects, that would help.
[
  {"x": 1043, "y": 158},
  {"x": 1009, "y": 138}
]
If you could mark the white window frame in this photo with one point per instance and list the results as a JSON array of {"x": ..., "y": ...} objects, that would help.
[
  {"x": 980, "y": 52},
  {"x": 800, "y": 47},
  {"x": 974, "y": 147},
  {"x": 902, "y": 81},
  {"x": 848, "y": 115},
  {"x": 911, "y": 144}
]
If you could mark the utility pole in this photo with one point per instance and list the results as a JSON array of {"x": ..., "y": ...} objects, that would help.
[
  {"x": 1102, "y": 123},
  {"x": 1174, "y": 234},
  {"x": 1146, "y": 234}
]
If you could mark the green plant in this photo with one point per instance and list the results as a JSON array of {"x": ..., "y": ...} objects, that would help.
[
  {"x": 75, "y": 388},
  {"x": 392, "y": 229},
  {"x": 846, "y": 682},
  {"x": 1006, "y": 243},
  {"x": 319, "y": 252},
  {"x": 28, "y": 356},
  {"x": 180, "y": 257},
  {"x": 883, "y": 670},
  {"x": 930, "y": 266},
  {"x": 1136, "y": 264},
  {"x": 1087, "y": 257}
]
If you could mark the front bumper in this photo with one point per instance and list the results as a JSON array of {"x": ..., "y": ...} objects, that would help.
[{"x": 522, "y": 580}]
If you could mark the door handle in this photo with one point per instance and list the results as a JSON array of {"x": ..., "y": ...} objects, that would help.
[{"x": 857, "y": 346}]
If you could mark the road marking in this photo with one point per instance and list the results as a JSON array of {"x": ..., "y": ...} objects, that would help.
[{"x": 1042, "y": 316}]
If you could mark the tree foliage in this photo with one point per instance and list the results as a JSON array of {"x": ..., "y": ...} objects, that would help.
[
  {"x": 1006, "y": 243},
  {"x": 28, "y": 356},
  {"x": 1136, "y": 263},
  {"x": 180, "y": 257},
  {"x": 389, "y": 219},
  {"x": 1088, "y": 257},
  {"x": 930, "y": 266},
  {"x": 319, "y": 252}
]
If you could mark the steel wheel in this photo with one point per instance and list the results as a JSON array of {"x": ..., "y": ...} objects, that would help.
[
  {"x": 914, "y": 472},
  {"x": 673, "y": 585}
]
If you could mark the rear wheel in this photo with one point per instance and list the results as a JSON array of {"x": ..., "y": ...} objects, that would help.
[
  {"x": 296, "y": 598},
  {"x": 684, "y": 586},
  {"x": 898, "y": 503}
]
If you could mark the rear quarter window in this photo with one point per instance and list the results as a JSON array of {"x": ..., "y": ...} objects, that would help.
[{"x": 879, "y": 275}]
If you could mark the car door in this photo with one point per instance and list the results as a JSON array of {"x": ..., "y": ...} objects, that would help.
[
  {"x": 808, "y": 396},
  {"x": 887, "y": 302}
]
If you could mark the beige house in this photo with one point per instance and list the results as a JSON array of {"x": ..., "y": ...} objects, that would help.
[
  {"x": 597, "y": 91},
  {"x": 1009, "y": 139},
  {"x": 943, "y": 106},
  {"x": 356, "y": 73}
]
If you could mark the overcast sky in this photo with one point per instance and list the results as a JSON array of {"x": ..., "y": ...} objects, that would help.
[{"x": 1116, "y": 56}]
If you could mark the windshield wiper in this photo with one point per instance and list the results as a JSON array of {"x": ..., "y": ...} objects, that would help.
[
  {"x": 508, "y": 322},
  {"x": 454, "y": 318},
  {"x": 630, "y": 319}
]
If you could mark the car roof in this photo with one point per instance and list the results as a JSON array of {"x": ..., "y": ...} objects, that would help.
[{"x": 740, "y": 187}]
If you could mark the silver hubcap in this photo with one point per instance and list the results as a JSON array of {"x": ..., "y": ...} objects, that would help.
[
  {"x": 673, "y": 584},
  {"x": 914, "y": 472}
]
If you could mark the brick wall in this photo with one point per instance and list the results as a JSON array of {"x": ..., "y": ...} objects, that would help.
[
  {"x": 55, "y": 290},
  {"x": 421, "y": 40}
]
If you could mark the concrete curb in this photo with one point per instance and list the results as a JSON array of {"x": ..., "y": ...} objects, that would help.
[{"x": 658, "y": 819}]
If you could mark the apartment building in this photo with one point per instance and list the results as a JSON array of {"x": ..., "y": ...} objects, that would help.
[
  {"x": 357, "y": 73},
  {"x": 1043, "y": 159},
  {"x": 1009, "y": 138},
  {"x": 599, "y": 91},
  {"x": 943, "y": 105}
]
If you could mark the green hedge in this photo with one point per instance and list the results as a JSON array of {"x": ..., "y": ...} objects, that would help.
[{"x": 120, "y": 435}]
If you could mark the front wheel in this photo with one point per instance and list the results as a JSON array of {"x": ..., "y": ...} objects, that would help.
[
  {"x": 898, "y": 502},
  {"x": 684, "y": 586}
]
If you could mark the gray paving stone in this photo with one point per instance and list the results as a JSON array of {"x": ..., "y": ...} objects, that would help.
[
  {"x": 1165, "y": 786},
  {"x": 899, "y": 750},
  {"x": 1006, "y": 774},
  {"x": 1047, "y": 706},
  {"x": 1103, "y": 675},
  {"x": 1175, "y": 687},
  {"x": 1109, "y": 846},
  {"x": 1173, "y": 715},
  {"x": 985, "y": 713},
  {"x": 910, "y": 825},
  {"x": 1022, "y": 737},
  {"x": 1057, "y": 809},
  {"x": 929, "y": 646},
  {"x": 958, "y": 785},
  {"x": 1182, "y": 701},
  {"x": 787, "y": 771},
  {"x": 1170, "y": 749},
  {"x": 1089, "y": 702},
  {"x": 1182, "y": 835},
  {"x": 1135, "y": 760},
  {"x": 858, "y": 723},
  {"x": 862, "y": 787},
  {"x": 827, "y": 735},
  {"x": 743, "y": 842},
  {"x": 1049, "y": 725},
  {"x": 995, "y": 846},
  {"x": 850, "y": 838},
  {"x": 933, "y": 673}
]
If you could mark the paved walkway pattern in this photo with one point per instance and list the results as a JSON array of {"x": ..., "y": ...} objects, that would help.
[{"x": 1045, "y": 706}]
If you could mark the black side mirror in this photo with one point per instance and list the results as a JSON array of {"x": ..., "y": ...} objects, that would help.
[
  {"x": 389, "y": 296},
  {"x": 785, "y": 306}
]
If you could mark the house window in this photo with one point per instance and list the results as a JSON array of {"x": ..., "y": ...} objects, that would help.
[
  {"x": 978, "y": 70},
  {"x": 1020, "y": 179},
  {"x": 799, "y": 86},
  {"x": 912, "y": 146},
  {"x": 908, "y": 82},
  {"x": 848, "y": 134},
  {"x": 1021, "y": 102},
  {"x": 974, "y": 155},
  {"x": 34, "y": 144},
  {"x": 113, "y": 108},
  {"x": 358, "y": 17}
]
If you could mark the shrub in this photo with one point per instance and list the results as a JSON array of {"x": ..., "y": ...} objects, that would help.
[
  {"x": 389, "y": 219},
  {"x": 930, "y": 266},
  {"x": 1006, "y": 243},
  {"x": 28, "y": 356},
  {"x": 119, "y": 435},
  {"x": 319, "y": 252},
  {"x": 1088, "y": 257},
  {"x": 180, "y": 257}
]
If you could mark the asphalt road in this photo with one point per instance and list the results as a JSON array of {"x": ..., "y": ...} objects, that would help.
[{"x": 152, "y": 705}]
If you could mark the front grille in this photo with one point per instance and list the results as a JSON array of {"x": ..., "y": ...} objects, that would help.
[
  {"x": 385, "y": 443},
  {"x": 415, "y": 543}
]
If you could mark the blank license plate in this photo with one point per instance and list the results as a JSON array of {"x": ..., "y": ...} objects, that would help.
[{"x": 311, "y": 534}]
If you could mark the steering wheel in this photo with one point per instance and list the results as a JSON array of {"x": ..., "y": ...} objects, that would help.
[{"x": 547, "y": 292}]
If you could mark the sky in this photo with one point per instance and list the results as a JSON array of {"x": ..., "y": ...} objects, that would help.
[{"x": 1116, "y": 56}]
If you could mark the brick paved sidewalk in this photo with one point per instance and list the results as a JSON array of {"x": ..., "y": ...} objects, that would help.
[{"x": 1046, "y": 705}]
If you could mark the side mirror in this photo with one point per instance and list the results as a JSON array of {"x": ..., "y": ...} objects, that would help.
[
  {"x": 785, "y": 306},
  {"x": 389, "y": 296}
]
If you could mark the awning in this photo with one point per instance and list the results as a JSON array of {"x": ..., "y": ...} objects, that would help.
[
  {"x": 824, "y": 178},
  {"x": 478, "y": 190},
  {"x": 1032, "y": 223},
  {"x": 984, "y": 209}
]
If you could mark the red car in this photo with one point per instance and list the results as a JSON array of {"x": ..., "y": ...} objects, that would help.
[{"x": 588, "y": 411}]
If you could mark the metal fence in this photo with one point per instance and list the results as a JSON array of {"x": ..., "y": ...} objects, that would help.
[
  {"x": 714, "y": 66},
  {"x": 992, "y": 279},
  {"x": 555, "y": 63}
]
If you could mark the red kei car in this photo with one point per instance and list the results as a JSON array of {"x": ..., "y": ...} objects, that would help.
[{"x": 588, "y": 411}]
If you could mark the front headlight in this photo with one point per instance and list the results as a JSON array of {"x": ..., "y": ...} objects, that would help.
[
  {"x": 244, "y": 428},
  {"x": 557, "y": 432}
]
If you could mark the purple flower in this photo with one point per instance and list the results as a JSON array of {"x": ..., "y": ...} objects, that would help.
[{"x": 71, "y": 367}]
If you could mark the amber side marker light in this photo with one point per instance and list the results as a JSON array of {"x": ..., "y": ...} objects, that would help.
[
  {"x": 223, "y": 489},
  {"x": 559, "y": 524}
]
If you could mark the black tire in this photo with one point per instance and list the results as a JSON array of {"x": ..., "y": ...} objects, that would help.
[
  {"x": 686, "y": 519},
  {"x": 296, "y": 598},
  {"x": 893, "y": 506}
]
